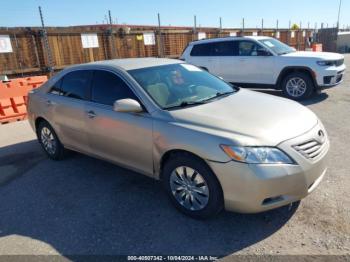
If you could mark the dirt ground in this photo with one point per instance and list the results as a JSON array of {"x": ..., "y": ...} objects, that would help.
[{"x": 84, "y": 206}]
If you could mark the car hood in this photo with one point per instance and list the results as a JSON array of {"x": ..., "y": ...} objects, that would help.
[
  {"x": 249, "y": 118},
  {"x": 316, "y": 55}
]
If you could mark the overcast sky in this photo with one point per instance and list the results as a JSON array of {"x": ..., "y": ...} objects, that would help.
[{"x": 175, "y": 12}]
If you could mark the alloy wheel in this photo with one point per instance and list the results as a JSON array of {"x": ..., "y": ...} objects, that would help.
[{"x": 296, "y": 87}]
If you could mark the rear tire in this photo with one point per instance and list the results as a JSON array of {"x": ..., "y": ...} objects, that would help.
[
  {"x": 49, "y": 141},
  {"x": 192, "y": 187},
  {"x": 298, "y": 86}
]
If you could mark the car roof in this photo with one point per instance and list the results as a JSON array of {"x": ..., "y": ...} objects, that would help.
[
  {"x": 203, "y": 41},
  {"x": 132, "y": 63}
]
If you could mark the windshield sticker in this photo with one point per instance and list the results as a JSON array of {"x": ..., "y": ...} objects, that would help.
[
  {"x": 191, "y": 68},
  {"x": 269, "y": 44}
]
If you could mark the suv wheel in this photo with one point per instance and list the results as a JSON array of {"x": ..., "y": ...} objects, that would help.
[
  {"x": 298, "y": 86},
  {"x": 49, "y": 141},
  {"x": 192, "y": 186}
]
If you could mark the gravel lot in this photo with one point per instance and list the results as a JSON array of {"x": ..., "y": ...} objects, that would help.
[{"x": 87, "y": 206}]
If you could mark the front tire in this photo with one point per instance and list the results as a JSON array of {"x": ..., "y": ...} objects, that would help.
[
  {"x": 49, "y": 141},
  {"x": 192, "y": 187},
  {"x": 298, "y": 86}
]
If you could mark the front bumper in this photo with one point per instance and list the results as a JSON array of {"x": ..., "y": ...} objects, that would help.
[
  {"x": 258, "y": 188},
  {"x": 330, "y": 76}
]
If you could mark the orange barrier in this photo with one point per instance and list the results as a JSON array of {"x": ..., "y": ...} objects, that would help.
[
  {"x": 13, "y": 97},
  {"x": 317, "y": 47}
]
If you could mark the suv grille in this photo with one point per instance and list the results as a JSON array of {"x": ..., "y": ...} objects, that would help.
[
  {"x": 339, "y": 62},
  {"x": 311, "y": 149}
]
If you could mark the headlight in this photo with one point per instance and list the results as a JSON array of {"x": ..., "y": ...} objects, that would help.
[
  {"x": 257, "y": 155},
  {"x": 326, "y": 63}
]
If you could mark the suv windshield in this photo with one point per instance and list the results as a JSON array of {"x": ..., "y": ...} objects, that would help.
[
  {"x": 180, "y": 85},
  {"x": 277, "y": 46}
]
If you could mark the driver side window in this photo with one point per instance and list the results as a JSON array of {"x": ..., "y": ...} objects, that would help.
[
  {"x": 249, "y": 48},
  {"x": 108, "y": 87}
]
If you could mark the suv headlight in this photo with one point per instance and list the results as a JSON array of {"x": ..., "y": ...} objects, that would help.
[
  {"x": 257, "y": 155},
  {"x": 326, "y": 63}
]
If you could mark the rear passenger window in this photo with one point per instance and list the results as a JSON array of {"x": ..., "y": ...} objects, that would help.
[
  {"x": 224, "y": 48},
  {"x": 76, "y": 84},
  {"x": 201, "y": 50},
  {"x": 108, "y": 87}
]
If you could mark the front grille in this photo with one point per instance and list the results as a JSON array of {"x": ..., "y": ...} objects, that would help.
[
  {"x": 339, "y": 62},
  {"x": 311, "y": 149}
]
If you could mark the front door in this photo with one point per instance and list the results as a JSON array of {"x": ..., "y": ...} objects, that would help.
[
  {"x": 124, "y": 138},
  {"x": 253, "y": 67}
]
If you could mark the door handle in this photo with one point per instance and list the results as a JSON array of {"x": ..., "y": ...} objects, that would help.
[{"x": 91, "y": 114}]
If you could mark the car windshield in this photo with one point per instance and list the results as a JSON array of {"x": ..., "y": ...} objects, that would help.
[
  {"x": 277, "y": 46},
  {"x": 181, "y": 85}
]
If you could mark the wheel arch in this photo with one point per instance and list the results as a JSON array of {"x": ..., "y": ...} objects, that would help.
[
  {"x": 41, "y": 119},
  {"x": 37, "y": 122},
  {"x": 172, "y": 152},
  {"x": 293, "y": 69}
]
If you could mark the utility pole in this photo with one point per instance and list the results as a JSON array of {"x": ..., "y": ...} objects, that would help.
[
  {"x": 46, "y": 43},
  {"x": 195, "y": 24},
  {"x": 110, "y": 17},
  {"x": 114, "y": 52},
  {"x": 243, "y": 27},
  {"x": 262, "y": 26},
  {"x": 161, "y": 53},
  {"x": 340, "y": 2},
  {"x": 194, "y": 27}
]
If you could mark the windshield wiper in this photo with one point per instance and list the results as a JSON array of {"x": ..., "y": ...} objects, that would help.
[
  {"x": 219, "y": 94},
  {"x": 201, "y": 102},
  {"x": 185, "y": 104}
]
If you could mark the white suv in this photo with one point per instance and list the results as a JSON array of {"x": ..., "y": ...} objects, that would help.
[{"x": 259, "y": 61}]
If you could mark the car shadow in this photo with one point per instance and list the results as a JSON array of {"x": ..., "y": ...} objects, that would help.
[
  {"x": 85, "y": 206},
  {"x": 315, "y": 99}
]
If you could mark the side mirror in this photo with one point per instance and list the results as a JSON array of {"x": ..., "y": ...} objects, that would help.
[
  {"x": 263, "y": 52},
  {"x": 127, "y": 105}
]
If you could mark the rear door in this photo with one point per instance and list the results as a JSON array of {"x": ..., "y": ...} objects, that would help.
[
  {"x": 66, "y": 108},
  {"x": 219, "y": 57},
  {"x": 124, "y": 138},
  {"x": 201, "y": 56},
  {"x": 224, "y": 59}
]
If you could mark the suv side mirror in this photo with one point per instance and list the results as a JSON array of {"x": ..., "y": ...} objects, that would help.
[
  {"x": 263, "y": 52},
  {"x": 127, "y": 105}
]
